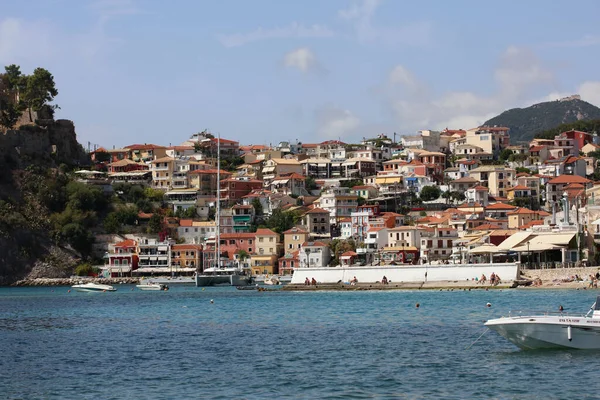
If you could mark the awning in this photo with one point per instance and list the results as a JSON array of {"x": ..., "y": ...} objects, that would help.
[
  {"x": 536, "y": 247},
  {"x": 514, "y": 240},
  {"x": 268, "y": 169},
  {"x": 487, "y": 248},
  {"x": 152, "y": 270}
]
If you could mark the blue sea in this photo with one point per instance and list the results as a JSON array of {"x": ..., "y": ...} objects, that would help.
[{"x": 280, "y": 345}]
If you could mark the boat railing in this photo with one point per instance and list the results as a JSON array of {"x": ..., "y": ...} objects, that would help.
[{"x": 529, "y": 313}]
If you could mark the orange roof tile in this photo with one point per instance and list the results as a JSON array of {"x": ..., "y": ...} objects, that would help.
[{"x": 563, "y": 179}]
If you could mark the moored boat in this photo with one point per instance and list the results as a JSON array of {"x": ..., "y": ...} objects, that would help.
[
  {"x": 152, "y": 286},
  {"x": 93, "y": 287},
  {"x": 551, "y": 330}
]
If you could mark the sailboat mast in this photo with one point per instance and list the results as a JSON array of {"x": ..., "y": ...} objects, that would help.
[{"x": 218, "y": 210}]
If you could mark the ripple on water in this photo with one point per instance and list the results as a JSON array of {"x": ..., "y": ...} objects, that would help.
[{"x": 280, "y": 345}]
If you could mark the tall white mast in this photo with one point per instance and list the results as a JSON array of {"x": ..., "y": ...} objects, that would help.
[{"x": 218, "y": 210}]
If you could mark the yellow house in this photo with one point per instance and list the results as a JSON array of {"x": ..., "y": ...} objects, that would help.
[
  {"x": 146, "y": 152},
  {"x": 521, "y": 216},
  {"x": 162, "y": 172},
  {"x": 293, "y": 239},
  {"x": 267, "y": 248}
]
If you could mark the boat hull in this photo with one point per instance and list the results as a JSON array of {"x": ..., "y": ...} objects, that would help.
[
  {"x": 149, "y": 287},
  {"x": 223, "y": 280},
  {"x": 93, "y": 289},
  {"x": 530, "y": 333}
]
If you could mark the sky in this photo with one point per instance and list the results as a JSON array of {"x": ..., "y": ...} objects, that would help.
[{"x": 264, "y": 71}]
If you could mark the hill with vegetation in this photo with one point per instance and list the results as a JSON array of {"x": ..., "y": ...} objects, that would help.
[
  {"x": 527, "y": 123},
  {"x": 44, "y": 213}
]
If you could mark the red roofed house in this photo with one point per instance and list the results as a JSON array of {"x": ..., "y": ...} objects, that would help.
[
  {"x": 291, "y": 183},
  {"x": 233, "y": 190},
  {"x": 521, "y": 216},
  {"x": 146, "y": 152},
  {"x": 122, "y": 258},
  {"x": 288, "y": 262},
  {"x": 555, "y": 187},
  {"x": 186, "y": 258},
  {"x": 316, "y": 222},
  {"x": 478, "y": 194},
  {"x": 265, "y": 256}
]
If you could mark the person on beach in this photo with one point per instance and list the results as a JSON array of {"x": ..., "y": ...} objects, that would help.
[
  {"x": 492, "y": 278},
  {"x": 307, "y": 281},
  {"x": 482, "y": 279},
  {"x": 313, "y": 282},
  {"x": 353, "y": 281},
  {"x": 384, "y": 280}
]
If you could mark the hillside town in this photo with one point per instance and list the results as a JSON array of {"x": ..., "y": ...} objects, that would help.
[{"x": 438, "y": 197}]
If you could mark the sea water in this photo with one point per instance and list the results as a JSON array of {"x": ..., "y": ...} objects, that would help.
[{"x": 254, "y": 345}]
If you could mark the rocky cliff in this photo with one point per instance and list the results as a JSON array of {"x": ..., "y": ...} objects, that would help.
[{"x": 27, "y": 153}]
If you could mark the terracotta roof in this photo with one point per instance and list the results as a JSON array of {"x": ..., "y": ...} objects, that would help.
[
  {"x": 500, "y": 206},
  {"x": 536, "y": 148},
  {"x": 532, "y": 223},
  {"x": 349, "y": 254},
  {"x": 317, "y": 211},
  {"x": 314, "y": 244},
  {"x": 487, "y": 227},
  {"x": 466, "y": 179},
  {"x": 519, "y": 187},
  {"x": 562, "y": 179},
  {"x": 186, "y": 222},
  {"x": 126, "y": 243},
  {"x": 521, "y": 211},
  {"x": 295, "y": 230},
  {"x": 481, "y": 188},
  {"x": 163, "y": 159},
  {"x": 265, "y": 232},
  {"x": 143, "y": 215}
]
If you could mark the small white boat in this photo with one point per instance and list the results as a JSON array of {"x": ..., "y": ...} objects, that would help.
[
  {"x": 551, "y": 330},
  {"x": 273, "y": 280},
  {"x": 152, "y": 286},
  {"x": 93, "y": 287}
]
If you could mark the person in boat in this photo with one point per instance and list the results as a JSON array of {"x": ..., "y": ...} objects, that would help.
[{"x": 313, "y": 282}]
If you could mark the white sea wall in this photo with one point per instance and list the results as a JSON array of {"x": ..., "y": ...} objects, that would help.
[{"x": 452, "y": 272}]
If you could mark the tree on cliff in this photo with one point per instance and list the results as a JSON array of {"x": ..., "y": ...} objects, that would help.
[{"x": 39, "y": 91}]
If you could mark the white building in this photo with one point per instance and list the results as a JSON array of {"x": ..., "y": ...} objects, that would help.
[
  {"x": 314, "y": 255},
  {"x": 154, "y": 255}
]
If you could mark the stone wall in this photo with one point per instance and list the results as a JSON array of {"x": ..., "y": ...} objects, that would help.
[
  {"x": 548, "y": 275},
  {"x": 56, "y": 142}
]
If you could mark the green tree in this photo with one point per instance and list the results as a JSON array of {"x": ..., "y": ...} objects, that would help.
[
  {"x": 505, "y": 154},
  {"x": 429, "y": 193},
  {"x": 111, "y": 223},
  {"x": 39, "y": 91},
  {"x": 9, "y": 113},
  {"x": 310, "y": 183},
  {"x": 350, "y": 183},
  {"x": 281, "y": 221},
  {"x": 155, "y": 224},
  {"x": 258, "y": 207}
]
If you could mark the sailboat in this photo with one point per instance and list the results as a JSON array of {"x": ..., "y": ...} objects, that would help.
[{"x": 222, "y": 272}]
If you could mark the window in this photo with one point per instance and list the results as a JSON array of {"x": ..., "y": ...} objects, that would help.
[
  {"x": 271, "y": 240},
  {"x": 249, "y": 249},
  {"x": 271, "y": 250},
  {"x": 186, "y": 230},
  {"x": 249, "y": 241},
  {"x": 260, "y": 240}
]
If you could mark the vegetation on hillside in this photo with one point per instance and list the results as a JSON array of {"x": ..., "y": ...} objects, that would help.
[
  {"x": 525, "y": 123},
  {"x": 584, "y": 126}
]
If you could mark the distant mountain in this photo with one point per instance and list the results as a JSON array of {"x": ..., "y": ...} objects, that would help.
[{"x": 525, "y": 123}]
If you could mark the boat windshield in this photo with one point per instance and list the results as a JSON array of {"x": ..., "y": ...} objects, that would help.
[{"x": 597, "y": 304}]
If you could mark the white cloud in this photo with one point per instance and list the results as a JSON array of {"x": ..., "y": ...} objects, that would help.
[
  {"x": 590, "y": 92},
  {"x": 334, "y": 122},
  {"x": 303, "y": 59},
  {"x": 294, "y": 30},
  {"x": 518, "y": 75},
  {"x": 361, "y": 15}
]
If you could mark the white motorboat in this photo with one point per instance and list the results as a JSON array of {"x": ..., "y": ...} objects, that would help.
[
  {"x": 551, "y": 330},
  {"x": 93, "y": 287},
  {"x": 273, "y": 280},
  {"x": 152, "y": 286}
]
